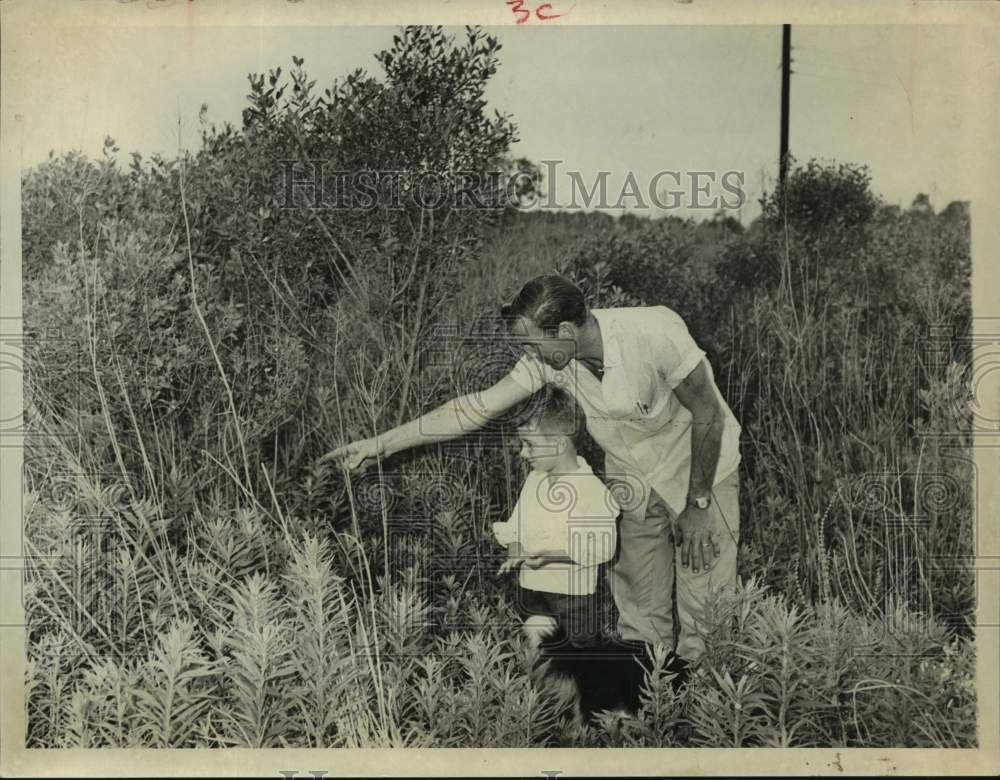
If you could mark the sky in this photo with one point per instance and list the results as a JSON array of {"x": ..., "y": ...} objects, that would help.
[{"x": 620, "y": 99}]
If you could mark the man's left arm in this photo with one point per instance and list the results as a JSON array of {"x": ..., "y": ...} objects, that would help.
[{"x": 697, "y": 394}]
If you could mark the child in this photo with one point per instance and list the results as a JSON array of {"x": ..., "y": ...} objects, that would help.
[{"x": 562, "y": 528}]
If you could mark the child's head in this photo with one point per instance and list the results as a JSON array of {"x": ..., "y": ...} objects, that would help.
[{"x": 548, "y": 435}]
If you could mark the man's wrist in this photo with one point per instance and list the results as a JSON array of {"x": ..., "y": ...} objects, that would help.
[
  {"x": 699, "y": 500},
  {"x": 382, "y": 448}
]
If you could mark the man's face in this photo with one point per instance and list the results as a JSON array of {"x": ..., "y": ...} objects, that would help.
[{"x": 551, "y": 348}]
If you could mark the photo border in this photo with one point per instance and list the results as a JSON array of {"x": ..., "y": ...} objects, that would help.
[{"x": 982, "y": 98}]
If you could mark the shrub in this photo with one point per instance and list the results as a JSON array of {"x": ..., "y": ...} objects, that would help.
[{"x": 234, "y": 594}]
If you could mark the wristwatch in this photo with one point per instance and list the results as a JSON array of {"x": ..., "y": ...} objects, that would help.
[{"x": 701, "y": 502}]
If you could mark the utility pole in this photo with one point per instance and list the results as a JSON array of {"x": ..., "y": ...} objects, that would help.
[{"x": 786, "y": 72}]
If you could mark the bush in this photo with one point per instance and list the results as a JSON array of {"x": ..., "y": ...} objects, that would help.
[
  {"x": 810, "y": 319},
  {"x": 235, "y": 595},
  {"x": 215, "y": 310}
]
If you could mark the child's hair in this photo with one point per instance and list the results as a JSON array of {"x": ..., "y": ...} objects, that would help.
[
  {"x": 547, "y": 300},
  {"x": 552, "y": 410}
]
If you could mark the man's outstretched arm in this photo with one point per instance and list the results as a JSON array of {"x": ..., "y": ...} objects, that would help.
[{"x": 450, "y": 420}]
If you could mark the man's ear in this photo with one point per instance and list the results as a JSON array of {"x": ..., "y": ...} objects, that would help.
[{"x": 567, "y": 330}]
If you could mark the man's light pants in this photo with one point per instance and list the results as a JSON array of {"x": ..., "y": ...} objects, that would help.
[{"x": 642, "y": 579}]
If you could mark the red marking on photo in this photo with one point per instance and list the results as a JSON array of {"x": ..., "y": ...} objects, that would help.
[{"x": 543, "y": 12}]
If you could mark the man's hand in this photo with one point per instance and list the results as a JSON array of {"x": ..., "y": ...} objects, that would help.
[
  {"x": 697, "y": 539},
  {"x": 354, "y": 456}
]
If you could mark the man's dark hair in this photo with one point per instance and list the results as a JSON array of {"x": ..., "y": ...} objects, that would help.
[{"x": 547, "y": 300}]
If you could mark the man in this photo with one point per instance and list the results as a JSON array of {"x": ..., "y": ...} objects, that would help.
[{"x": 671, "y": 443}]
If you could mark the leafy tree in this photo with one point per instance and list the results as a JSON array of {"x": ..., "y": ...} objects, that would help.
[
  {"x": 819, "y": 219},
  {"x": 224, "y": 250}
]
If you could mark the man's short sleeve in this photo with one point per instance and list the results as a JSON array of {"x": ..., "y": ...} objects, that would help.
[
  {"x": 531, "y": 373},
  {"x": 678, "y": 354}
]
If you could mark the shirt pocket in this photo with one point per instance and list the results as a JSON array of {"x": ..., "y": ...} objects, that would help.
[{"x": 630, "y": 390}]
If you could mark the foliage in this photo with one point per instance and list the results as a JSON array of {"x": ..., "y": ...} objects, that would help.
[
  {"x": 224, "y": 246},
  {"x": 217, "y": 334}
]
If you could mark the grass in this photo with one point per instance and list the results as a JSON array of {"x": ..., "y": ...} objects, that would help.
[{"x": 234, "y": 594}]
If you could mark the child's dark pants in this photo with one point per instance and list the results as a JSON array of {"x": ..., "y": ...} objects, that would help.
[{"x": 578, "y": 617}]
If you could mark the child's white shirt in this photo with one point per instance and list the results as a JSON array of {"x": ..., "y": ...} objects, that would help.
[{"x": 574, "y": 512}]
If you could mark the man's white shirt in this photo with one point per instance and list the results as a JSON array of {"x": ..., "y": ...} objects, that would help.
[{"x": 633, "y": 413}]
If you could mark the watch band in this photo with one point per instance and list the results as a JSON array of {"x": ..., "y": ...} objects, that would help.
[{"x": 701, "y": 502}]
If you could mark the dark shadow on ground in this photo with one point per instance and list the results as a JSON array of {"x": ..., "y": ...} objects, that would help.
[{"x": 609, "y": 676}]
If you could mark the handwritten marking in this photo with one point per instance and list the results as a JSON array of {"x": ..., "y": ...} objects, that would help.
[{"x": 543, "y": 12}]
